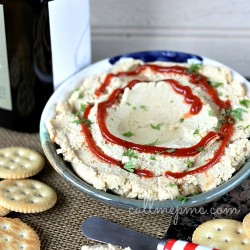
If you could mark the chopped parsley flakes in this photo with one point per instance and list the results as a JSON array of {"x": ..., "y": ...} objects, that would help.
[
  {"x": 170, "y": 150},
  {"x": 152, "y": 157},
  {"x": 245, "y": 103},
  {"x": 144, "y": 107},
  {"x": 128, "y": 134},
  {"x": 153, "y": 143},
  {"x": 200, "y": 149},
  {"x": 83, "y": 120},
  {"x": 80, "y": 96},
  {"x": 215, "y": 84},
  {"x": 129, "y": 166},
  {"x": 157, "y": 126},
  {"x": 182, "y": 198},
  {"x": 248, "y": 126},
  {"x": 236, "y": 113},
  {"x": 130, "y": 153},
  {"x": 194, "y": 68},
  {"x": 83, "y": 107},
  {"x": 189, "y": 163},
  {"x": 196, "y": 132},
  {"x": 171, "y": 185},
  {"x": 80, "y": 119}
]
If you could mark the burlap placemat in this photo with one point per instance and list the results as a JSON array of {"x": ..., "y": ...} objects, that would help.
[{"x": 59, "y": 227}]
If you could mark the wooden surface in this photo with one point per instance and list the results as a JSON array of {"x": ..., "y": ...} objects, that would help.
[{"x": 216, "y": 29}]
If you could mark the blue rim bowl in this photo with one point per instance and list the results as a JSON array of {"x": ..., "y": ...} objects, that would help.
[{"x": 65, "y": 171}]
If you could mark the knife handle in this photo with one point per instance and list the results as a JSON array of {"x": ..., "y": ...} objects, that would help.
[{"x": 181, "y": 245}]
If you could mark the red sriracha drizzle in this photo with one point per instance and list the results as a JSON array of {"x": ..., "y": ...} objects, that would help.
[
  {"x": 224, "y": 135},
  {"x": 91, "y": 143},
  {"x": 226, "y": 132}
]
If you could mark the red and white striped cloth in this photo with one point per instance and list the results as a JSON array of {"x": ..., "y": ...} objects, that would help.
[{"x": 184, "y": 245}]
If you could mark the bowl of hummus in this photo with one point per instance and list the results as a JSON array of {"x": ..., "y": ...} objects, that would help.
[{"x": 153, "y": 129}]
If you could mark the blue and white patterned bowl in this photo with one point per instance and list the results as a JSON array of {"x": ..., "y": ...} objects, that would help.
[{"x": 66, "y": 171}]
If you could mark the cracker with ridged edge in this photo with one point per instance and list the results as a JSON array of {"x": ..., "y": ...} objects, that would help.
[
  {"x": 4, "y": 211},
  {"x": 20, "y": 163},
  {"x": 246, "y": 225},
  {"x": 15, "y": 234},
  {"x": 26, "y": 196},
  {"x": 224, "y": 234}
]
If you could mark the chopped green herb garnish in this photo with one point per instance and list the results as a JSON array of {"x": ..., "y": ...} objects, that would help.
[
  {"x": 83, "y": 107},
  {"x": 153, "y": 143},
  {"x": 225, "y": 112},
  {"x": 134, "y": 108},
  {"x": 217, "y": 129},
  {"x": 215, "y": 84},
  {"x": 182, "y": 198},
  {"x": 170, "y": 150},
  {"x": 129, "y": 166},
  {"x": 210, "y": 112},
  {"x": 245, "y": 103},
  {"x": 152, "y": 157},
  {"x": 189, "y": 163},
  {"x": 144, "y": 107},
  {"x": 128, "y": 134},
  {"x": 196, "y": 132},
  {"x": 195, "y": 193},
  {"x": 128, "y": 103},
  {"x": 200, "y": 149},
  {"x": 181, "y": 120},
  {"x": 80, "y": 96},
  {"x": 194, "y": 68},
  {"x": 130, "y": 153},
  {"x": 171, "y": 185},
  {"x": 78, "y": 113},
  {"x": 228, "y": 120},
  {"x": 237, "y": 113},
  {"x": 157, "y": 126},
  {"x": 247, "y": 127},
  {"x": 83, "y": 120}
]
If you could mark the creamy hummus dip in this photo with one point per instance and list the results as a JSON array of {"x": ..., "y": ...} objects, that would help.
[{"x": 157, "y": 131}]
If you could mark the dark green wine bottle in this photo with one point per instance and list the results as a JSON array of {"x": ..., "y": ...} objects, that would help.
[{"x": 26, "y": 81}]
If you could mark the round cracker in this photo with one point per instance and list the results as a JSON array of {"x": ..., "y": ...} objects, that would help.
[
  {"x": 4, "y": 211},
  {"x": 246, "y": 225},
  {"x": 19, "y": 163},
  {"x": 26, "y": 196},
  {"x": 15, "y": 234},
  {"x": 224, "y": 234}
]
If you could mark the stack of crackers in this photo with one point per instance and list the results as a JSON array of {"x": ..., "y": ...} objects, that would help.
[{"x": 19, "y": 194}]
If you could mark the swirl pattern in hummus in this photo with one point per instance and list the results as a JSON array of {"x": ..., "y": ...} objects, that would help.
[{"x": 156, "y": 131}]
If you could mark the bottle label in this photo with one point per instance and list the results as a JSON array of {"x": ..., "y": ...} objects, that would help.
[
  {"x": 5, "y": 93},
  {"x": 70, "y": 38}
]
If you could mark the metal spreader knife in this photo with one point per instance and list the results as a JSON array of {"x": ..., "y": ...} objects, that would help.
[{"x": 98, "y": 229}]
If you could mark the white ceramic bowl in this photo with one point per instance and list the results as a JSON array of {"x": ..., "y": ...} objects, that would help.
[{"x": 64, "y": 169}]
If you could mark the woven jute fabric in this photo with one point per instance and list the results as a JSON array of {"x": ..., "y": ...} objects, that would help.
[{"x": 60, "y": 227}]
